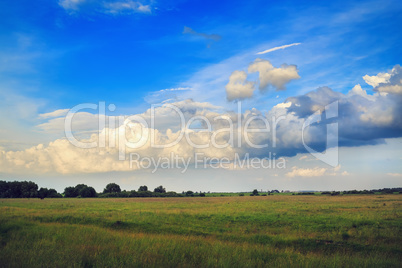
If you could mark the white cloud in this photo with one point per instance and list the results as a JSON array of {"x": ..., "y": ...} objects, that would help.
[
  {"x": 271, "y": 76},
  {"x": 57, "y": 113},
  {"x": 357, "y": 90},
  {"x": 107, "y": 6},
  {"x": 396, "y": 89},
  {"x": 303, "y": 157},
  {"x": 390, "y": 82},
  {"x": 71, "y": 4},
  {"x": 306, "y": 172},
  {"x": 125, "y": 6},
  {"x": 395, "y": 174},
  {"x": 315, "y": 172},
  {"x": 354, "y": 130},
  {"x": 238, "y": 87},
  {"x": 277, "y": 48},
  {"x": 375, "y": 80},
  {"x": 164, "y": 95},
  {"x": 82, "y": 121},
  {"x": 175, "y": 89}
]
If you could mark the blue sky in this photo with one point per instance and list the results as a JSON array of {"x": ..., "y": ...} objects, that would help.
[{"x": 58, "y": 54}]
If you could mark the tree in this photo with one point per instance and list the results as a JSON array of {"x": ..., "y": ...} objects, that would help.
[
  {"x": 18, "y": 189},
  {"x": 189, "y": 193},
  {"x": 88, "y": 192},
  {"x": 4, "y": 189},
  {"x": 160, "y": 189},
  {"x": 143, "y": 188},
  {"x": 69, "y": 192},
  {"x": 42, "y": 193},
  {"x": 255, "y": 192},
  {"x": 28, "y": 189},
  {"x": 52, "y": 193},
  {"x": 112, "y": 188},
  {"x": 48, "y": 193},
  {"x": 80, "y": 190}
]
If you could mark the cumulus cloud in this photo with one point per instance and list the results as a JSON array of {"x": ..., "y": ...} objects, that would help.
[
  {"x": 188, "y": 30},
  {"x": 107, "y": 6},
  {"x": 277, "y": 48},
  {"x": 357, "y": 90},
  {"x": 375, "y": 80},
  {"x": 271, "y": 76},
  {"x": 238, "y": 87},
  {"x": 387, "y": 82},
  {"x": 361, "y": 120}
]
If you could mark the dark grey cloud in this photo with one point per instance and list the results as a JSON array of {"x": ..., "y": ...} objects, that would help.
[{"x": 362, "y": 118}]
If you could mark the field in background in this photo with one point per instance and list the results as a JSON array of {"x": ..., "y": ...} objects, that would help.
[{"x": 278, "y": 230}]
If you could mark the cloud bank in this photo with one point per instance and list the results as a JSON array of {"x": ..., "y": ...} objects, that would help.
[{"x": 363, "y": 119}]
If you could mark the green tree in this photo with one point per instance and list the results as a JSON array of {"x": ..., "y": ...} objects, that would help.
[
  {"x": 29, "y": 189},
  {"x": 70, "y": 192},
  {"x": 112, "y": 188},
  {"x": 42, "y": 193},
  {"x": 88, "y": 192},
  {"x": 143, "y": 188},
  {"x": 255, "y": 192},
  {"x": 4, "y": 189},
  {"x": 78, "y": 188},
  {"x": 48, "y": 193},
  {"x": 160, "y": 189}
]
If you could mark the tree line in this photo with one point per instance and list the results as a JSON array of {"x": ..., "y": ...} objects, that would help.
[
  {"x": 25, "y": 189},
  {"x": 29, "y": 189}
]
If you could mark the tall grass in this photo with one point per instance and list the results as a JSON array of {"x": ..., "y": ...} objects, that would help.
[{"x": 347, "y": 231}]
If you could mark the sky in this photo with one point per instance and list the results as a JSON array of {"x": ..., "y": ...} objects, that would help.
[{"x": 318, "y": 86}]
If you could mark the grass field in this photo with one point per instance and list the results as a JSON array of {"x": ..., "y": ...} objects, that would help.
[{"x": 259, "y": 231}]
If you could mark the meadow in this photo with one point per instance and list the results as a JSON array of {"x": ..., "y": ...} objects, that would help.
[{"x": 232, "y": 231}]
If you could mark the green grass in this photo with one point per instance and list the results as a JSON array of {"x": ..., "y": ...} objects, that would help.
[{"x": 260, "y": 231}]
